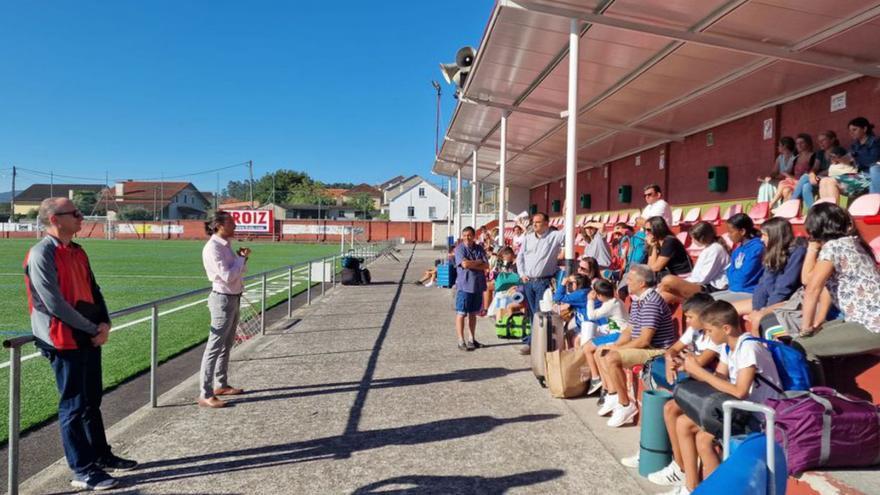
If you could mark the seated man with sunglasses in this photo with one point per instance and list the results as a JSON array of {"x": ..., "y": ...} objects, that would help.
[{"x": 70, "y": 322}]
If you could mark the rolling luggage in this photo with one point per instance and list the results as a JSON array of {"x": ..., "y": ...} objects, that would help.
[
  {"x": 350, "y": 276},
  {"x": 547, "y": 330}
]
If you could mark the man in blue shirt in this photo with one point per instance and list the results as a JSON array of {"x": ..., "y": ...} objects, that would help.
[{"x": 470, "y": 283}]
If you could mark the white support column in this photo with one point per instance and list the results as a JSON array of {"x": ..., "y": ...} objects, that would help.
[
  {"x": 571, "y": 143},
  {"x": 449, "y": 209},
  {"x": 502, "y": 176},
  {"x": 458, "y": 225},
  {"x": 475, "y": 186}
]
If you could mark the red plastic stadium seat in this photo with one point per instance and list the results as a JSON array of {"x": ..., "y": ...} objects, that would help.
[
  {"x": 612, "y": 219},
  {"x": 732, "y": 210},
  {"x": 865, "y": 206},
  {"x": 691, "y": 216},
  {"x": 759, "y": 212},
  {"x": 676, "y": 216},
  {"x": 711, "y": 215},
  {"x": 683, "y": 237},
  {"x": 624, "y": 217},
  {"x": 790, "y": 209}
]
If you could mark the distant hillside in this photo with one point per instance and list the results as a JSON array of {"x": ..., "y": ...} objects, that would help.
[{"x": 5, "y": 196}]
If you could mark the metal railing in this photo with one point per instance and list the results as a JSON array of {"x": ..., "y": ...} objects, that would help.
[{"x": 368, "y": 252}]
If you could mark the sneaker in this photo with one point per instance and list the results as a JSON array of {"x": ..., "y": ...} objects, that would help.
[
  {"x": 477, "y": 345},
  {"x": 602, "y": 395},
  {"x": 470, "y": 346},
  {"x": 525, "y": 350},
  {"x": 428, "y": 283},
  {"x": 623, "y": 415},
  {"x": 608, "y": 406},
  {"x": 96, "y": 479},
  {"x": 111, "y": 462},
  {"x": 671, "y": 475},
  {"x": 595, "y": 385},
  {"x": 679, "y": 490},
  {"x": 462, "y": 346},
  {"x": 631, "y": 461}
]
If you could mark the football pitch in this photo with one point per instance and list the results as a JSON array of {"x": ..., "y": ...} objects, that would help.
[{"x": 132, "y": 272}]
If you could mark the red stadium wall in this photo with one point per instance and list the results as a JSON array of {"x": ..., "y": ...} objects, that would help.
[{"x": 738, "y": 145}]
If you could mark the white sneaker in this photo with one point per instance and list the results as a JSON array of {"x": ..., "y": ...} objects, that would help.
[
  {"x": 608, "y": 406},
  {"x": 671, "y": 475},
  {"x": 623, "y": 415},
  {"x": 631, "y": 461},
  {"x": 428, "y": 283},
  {"x": 679, "y": 490}
]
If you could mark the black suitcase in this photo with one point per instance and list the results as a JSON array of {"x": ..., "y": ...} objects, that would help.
[
  {"x": 365, "y": 276},
  {"x": 350, "y": 276}
]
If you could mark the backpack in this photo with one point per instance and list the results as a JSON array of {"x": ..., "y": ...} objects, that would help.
[{"x": 791, "y": 365}]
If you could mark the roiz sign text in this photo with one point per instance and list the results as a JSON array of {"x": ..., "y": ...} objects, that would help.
[{"x": 253, "y": 221}]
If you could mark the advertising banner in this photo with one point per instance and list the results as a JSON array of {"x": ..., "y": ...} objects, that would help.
[{"x": 253, "y": 221}]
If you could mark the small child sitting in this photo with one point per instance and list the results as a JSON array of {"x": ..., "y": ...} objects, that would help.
[
  {"x": 593, "y": 335},
  {"x": 744, "y": 369},
  {"x": 506, "y": 280},
  {"x": 571, "y": 295}
]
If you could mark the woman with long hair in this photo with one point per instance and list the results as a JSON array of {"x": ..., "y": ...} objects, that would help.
[
  {"x": 840, "y": 260},
  {"x": 667, "y": 254},
  {"x": 745, "y": 267},
  {"x": 783, "y": 168},
  {"x": 783, "y": 259},
  {"x": 710, "y": 271}
]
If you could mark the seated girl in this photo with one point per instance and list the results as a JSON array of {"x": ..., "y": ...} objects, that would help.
[
  {"x": 667, "y": 254},
  {"x": 745, "y": 267},
  {"x": 710, "y": 271}
]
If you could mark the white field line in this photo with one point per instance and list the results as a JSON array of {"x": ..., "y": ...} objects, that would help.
[
  {"x": 269, "y": 293},
  {"x": 200, "y": 277}
]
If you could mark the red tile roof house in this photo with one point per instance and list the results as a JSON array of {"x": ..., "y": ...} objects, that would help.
[{"x": 168, "y": 200}]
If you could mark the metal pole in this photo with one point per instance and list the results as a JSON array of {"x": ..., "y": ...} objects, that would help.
[
  {"x": 571, "y": 143},
  {"x": 323, "y": 275},
  {"x": 333, "y": 272},
  {"x": 289, "y": 291},
  {"x": 251, "y": 171},
  {"x": 309, "y": 285},
  {"x": 12, "y": 197},
  {"x": 458, "y": 225},
  {"x": 14, "y": 409},
  {"x": 474, "y": 187},
  {"x": 154, "y": 355},
  {"x": 502, "y": 178},
  {"x": 449, "y": 208},
  {"x": 263, "y": 305}
]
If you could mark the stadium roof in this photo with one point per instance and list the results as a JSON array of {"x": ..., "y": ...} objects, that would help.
[{"x": 650, "y": 72}]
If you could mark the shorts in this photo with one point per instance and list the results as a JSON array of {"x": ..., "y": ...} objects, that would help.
[
  {"x": 633, "y": 357},
  {"x": 605, "y": 339},
  {"x": 730, "y": 296},
  {"x": 468, "y": 303}
]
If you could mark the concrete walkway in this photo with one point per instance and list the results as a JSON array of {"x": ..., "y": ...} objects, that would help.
[{"x": 366, "y": 392}]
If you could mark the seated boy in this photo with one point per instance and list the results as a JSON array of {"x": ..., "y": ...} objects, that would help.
[
  {"x": 694, "y": 341},
  {"x": 593, "y": 335},
  {"x": 744, "y": 369},
  {"x": 649, "y": 333}
]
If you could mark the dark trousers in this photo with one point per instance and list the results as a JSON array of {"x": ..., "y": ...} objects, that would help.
[
  {"x": 78, "y": 377},
  {"x": 534, "y": 290}
]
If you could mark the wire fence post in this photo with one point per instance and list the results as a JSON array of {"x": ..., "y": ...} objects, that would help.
[
  {"x": 14, "y": 410},
  {"x": 263, "y": 305},
  {"x": 154, "y": 354},
  {"x": 289, "y": 291},
  {"x": 323, "y": 275},
  {"x": 309, "y": 285},
  {"x": 333, "y": 272}
]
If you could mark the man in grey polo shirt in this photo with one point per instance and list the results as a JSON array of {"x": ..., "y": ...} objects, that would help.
[{"x": 536, "y": 264}]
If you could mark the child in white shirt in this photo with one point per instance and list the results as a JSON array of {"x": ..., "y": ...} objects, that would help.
[{"x": 593, "y": 335}]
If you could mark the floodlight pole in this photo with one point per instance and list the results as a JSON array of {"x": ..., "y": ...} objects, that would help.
[
  {"x": 251, "y": 172},
  {"x": 571, "y": 144},
  {"x": 474, "y": 186}
]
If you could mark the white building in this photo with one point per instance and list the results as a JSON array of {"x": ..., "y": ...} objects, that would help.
[{"x": 420, "y": 202}]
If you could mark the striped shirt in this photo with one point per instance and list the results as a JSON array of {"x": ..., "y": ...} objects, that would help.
[{"x": 651, "y": 311}]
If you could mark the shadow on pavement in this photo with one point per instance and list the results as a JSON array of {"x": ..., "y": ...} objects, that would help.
[
  {"x": 335, "y": 448},
  {"x": 442, "y": 485}
]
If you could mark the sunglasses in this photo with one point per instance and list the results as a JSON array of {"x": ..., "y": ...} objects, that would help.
[{"x": 74, "y": 213}]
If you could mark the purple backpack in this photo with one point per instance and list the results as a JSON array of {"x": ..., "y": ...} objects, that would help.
[{"x": 824, "y": 428}]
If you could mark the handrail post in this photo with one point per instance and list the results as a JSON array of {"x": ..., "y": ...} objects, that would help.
[
  {"x": 14, "y": 410},
  {"x": 289, "y": 291},
  {"x": 333, "y": 272},
  {"x": 309, "y": 285},
  {"x": 263, "y": 305},
  {"x": 323, "y": 275},
  {"x": 154, "y": 355}
]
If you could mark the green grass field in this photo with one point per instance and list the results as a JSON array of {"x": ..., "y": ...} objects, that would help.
[{"x": 130, "y": 272}]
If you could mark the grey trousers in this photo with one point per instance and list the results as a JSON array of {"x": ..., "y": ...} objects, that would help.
[
  {"x": 836, "y": 338},
  {"x": 224, "y": 321}
]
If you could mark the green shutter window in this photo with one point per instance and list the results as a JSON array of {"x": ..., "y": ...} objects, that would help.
[
  {"x": 557, "y": 205},
  {"x": 586, "y": 201}
]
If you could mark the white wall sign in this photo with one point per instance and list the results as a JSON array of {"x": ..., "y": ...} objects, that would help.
[
  {"x": 768, "y": 129},
  {"x": 253, "y": 221},
  {"x": 710, "y": 138},
  {"x": 838, "y": 101},
  {"x": 147, "y": 228},
  {"x": 638, "y": 160},
  {"x": 662, "y": 163}
]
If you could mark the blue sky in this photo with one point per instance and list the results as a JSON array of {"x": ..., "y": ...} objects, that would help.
[{"x": 341, "y": 90}]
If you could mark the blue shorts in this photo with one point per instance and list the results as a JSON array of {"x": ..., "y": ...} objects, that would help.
[
  {"x": 605, "y": 339},
  {"x": 468, "y": 303}
]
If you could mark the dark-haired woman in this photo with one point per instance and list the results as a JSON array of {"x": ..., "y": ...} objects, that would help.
[
  {"x": 804, "y": 162},
  {"x": 818, "y": 165},
  {"x": 710, "y": 271},
  {"x": 783, "y": 259},
  {"x": 783, "y": 168},
  {"x": 225, "y": 270},
  {"x": 841, "y": 261},
  {"x": 865, "y": 150},
  {"x": 667, "y": 254},
  {"x": 745, "y": 268}
]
